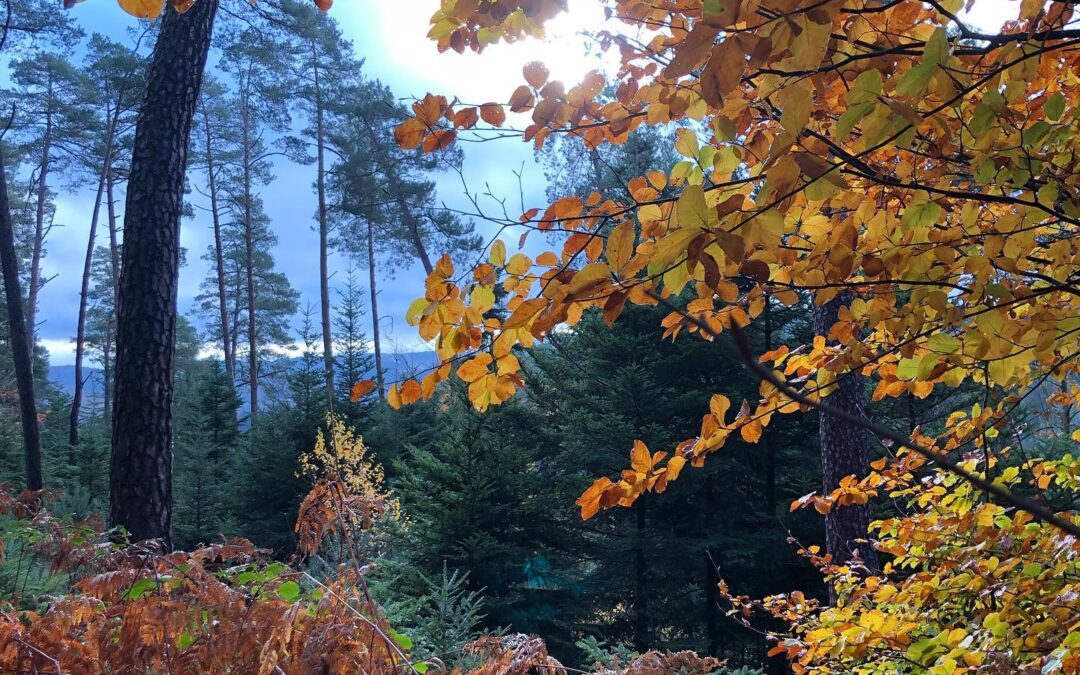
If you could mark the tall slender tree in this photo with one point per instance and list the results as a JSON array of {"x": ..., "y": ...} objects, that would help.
[
  {"x": 52, "y": 129},
  {"x": 384, "y": 195},
  {"x": 113, "y": 82},
  {"x": 141, "y": 467},
  {"x": 216, "y": 150},
  {"x": 320, "y": 63},
  {"x": 251, "y": 60},
  {"x": 19, "y": 338}
]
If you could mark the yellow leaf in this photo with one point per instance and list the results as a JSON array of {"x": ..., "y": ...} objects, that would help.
[
  {"x": 620, "y": 246},
  {"x": 497, "y": 256},
  {"x": 795, "y": 102},
  {"x": 524, "y": 313},
  {"x": 691, "y": 209}
]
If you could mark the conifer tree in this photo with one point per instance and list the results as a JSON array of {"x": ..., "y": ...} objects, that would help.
[{"x": 113, "y": 83}]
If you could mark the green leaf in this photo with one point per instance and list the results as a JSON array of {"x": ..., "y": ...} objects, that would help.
[
  {"x": 866, "y": 88},
  {"x": 420, "y": 667},
  {"x": 139, "y": 589},
  {"x": 943, "y": 343},
  {"x": 907, "y": 369},
  {"x": 403, "y": 641},
  {"x": 1055, "y": 106},
  {"x": 921, "y": 215},
  {"x": 691, "y": 210},
  {"x": 914, "y": 81},
  {"x": 289, "y": 591},
  {"x": 1035, "y": 133},
  {"x": 185, "y": 640},
  {"x": 851, "y": 117}
]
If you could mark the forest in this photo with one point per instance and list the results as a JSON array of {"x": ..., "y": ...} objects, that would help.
[{"x": 764, "y": 363}]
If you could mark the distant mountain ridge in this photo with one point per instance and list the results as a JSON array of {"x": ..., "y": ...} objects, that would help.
[{"x": 397, "y": 366}]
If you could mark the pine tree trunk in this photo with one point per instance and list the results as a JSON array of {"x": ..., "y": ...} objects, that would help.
[
  {"x": 114, "y": 257},
  {"x": 844, "y": 452},
  {"x": 80, "y": 328},
  {"x": 20, "y": 340},
  {"x": 375, "y": 309},
  {"x": 324, "y": 263},
  {"x": 249, "y": 252},
  {"x": 324, "y": 281},
  {"x": 39, "y": 230},
  {"x": 114, "y": 239},
  {"x": 219, "y": 255},
  {"x": 141, "y": 469}
]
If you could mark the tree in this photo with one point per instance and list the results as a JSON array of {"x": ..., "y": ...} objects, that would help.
[
  {"x": 258, "y": 106},
  {"x": 792, "y": 184},
  {"x": 19, "y": 339},
  {"x": 141, "y": 466},
  {"x": 354, "y": 362},
  {"x": 215, "y": 153},
  {"x": 52, "y": 129},
  {"x": 380, "y": 193},
  {"x": 207, "y": 442},
  {"x": 247, "y": 255},
  {"x": 321, "y": 63},
  {"x": 113, "y": 85}
]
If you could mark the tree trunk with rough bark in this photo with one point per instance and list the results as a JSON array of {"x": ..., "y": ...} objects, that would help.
[
  {"x": 20, "y": 341},
  {"x": 141, "y": 469},
  {"x": 844, "y": 452}
]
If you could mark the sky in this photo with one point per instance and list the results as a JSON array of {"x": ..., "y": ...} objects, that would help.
[{"x": 391, "y": 37}]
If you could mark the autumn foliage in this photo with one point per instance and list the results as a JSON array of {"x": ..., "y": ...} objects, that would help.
[{"x": 890, "y": 151}]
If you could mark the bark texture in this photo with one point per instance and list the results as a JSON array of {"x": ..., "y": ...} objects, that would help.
[
  {"x": 141, "y": 470},
  {"x": 20, "y": 341},
  {"x": 844, "y": 452}
]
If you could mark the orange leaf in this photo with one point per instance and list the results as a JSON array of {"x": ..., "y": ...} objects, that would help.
[
  {"x": 439, "y": 139},
  {"x": 524, "y": 313},
  {"x": 144, "y": 9},
  {"x": 474, "y": 368},
  {"x": 361, "y": 389},
  {"x": 410, "y": 134},
  {"x": 493, "y": 114},
  {"x": 522, "y": 99},
  {"x": 410, "y": 392}
]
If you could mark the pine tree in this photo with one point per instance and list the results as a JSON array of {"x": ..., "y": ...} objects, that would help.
[
  {"x": 113, "y": 83},
  {"x": 206, "y": 461},
  {"x": 354, "y": 361},
  {"x": 251, "y": 60},
  {"x": 141, "y": 463}
]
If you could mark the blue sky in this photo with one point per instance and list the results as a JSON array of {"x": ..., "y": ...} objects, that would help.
[{"x": 390, "y": 36}]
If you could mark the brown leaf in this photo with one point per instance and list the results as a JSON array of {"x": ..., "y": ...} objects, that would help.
[{"x": 692, "y": 51}]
